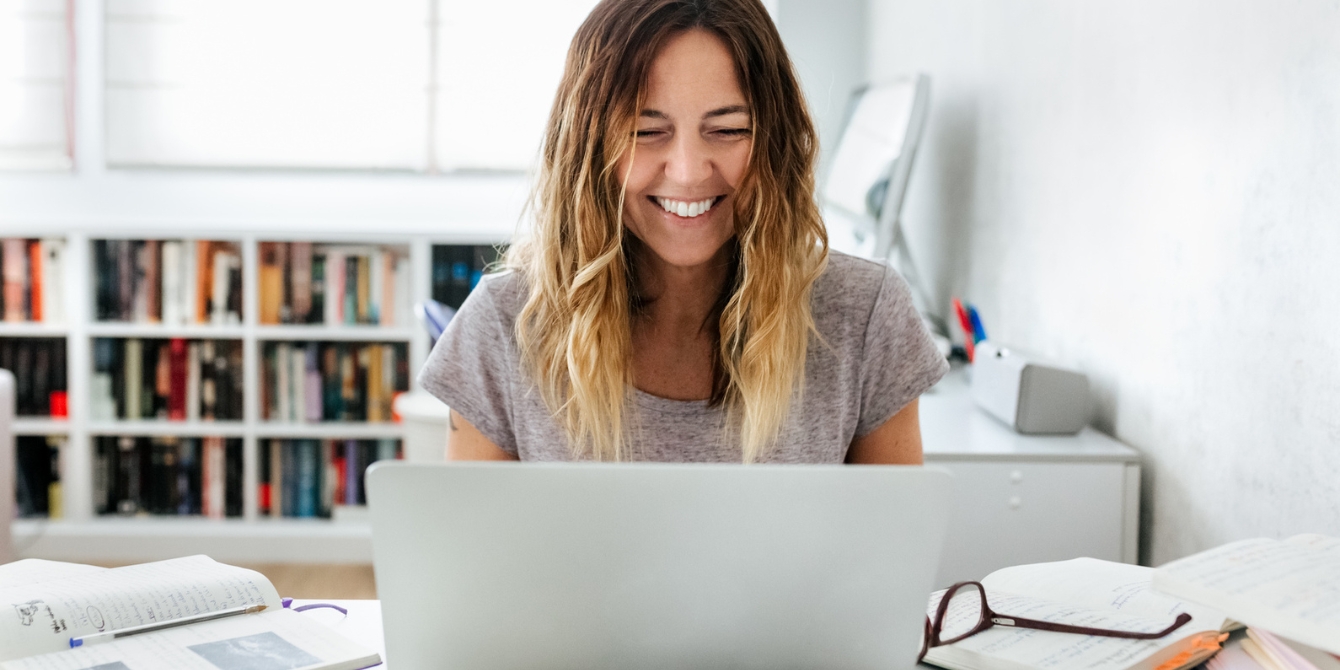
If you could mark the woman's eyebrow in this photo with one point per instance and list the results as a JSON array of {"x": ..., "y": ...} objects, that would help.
[{"x": 730, "y": 109}]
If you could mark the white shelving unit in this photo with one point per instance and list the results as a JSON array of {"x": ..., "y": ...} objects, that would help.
[{"x": 84, "y": 536}]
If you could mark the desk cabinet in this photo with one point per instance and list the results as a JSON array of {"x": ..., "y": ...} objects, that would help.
[{"x": 1027, "y": 499}]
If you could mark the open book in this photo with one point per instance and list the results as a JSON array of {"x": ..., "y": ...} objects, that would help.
[
  {"x": 1084, "y": 592},
  {"x": 46, "y": 604},
  {"x": 1288, "y": 587}
]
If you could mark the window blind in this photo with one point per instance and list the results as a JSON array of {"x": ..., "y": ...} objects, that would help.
[
  {"x": 336, "y": 84},
  {"x": 35, "y": 112},
  {"x": 423, "y": 85},
  {"x": 499, "y": 64}
]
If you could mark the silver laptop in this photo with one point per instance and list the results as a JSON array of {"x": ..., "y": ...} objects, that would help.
[{"x": 506, "y": 565}]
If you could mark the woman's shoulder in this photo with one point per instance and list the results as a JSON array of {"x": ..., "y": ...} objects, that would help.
[
  {"x": 848, "y": 288},
  {"x": 501, "y": 293}
]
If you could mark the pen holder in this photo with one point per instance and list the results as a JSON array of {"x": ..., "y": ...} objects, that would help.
[{"x": 1031, "y": 397}]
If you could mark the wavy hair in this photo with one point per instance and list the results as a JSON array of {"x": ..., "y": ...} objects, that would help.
[{"x": 575, "y": 330}]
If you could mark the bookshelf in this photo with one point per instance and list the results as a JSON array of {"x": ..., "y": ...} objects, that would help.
[{"x": 91, "y": 315}]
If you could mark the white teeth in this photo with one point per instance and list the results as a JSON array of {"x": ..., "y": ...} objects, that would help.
[{"x": 687, "y": 210}]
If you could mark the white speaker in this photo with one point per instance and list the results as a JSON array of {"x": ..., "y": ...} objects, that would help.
[{"x": 1031, "y": 397}]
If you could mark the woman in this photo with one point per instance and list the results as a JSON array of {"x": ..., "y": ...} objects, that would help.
[{"x": 676, "y": 299}]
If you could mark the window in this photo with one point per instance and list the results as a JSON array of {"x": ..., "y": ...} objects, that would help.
[
  {"x": 420, "y": 85},
  {"x": 35, "y": 97}
]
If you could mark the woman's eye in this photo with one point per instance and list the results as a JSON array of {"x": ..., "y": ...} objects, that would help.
[
  {"x": 644, "y": 134},
  {"x": 733, "y": 132}
]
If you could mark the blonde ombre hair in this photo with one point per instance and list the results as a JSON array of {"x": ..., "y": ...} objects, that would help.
[{"x": 575, "y": 331}]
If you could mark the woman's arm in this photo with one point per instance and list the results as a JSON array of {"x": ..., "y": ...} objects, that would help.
[
  {"x": 466, "y": 443},
  {"x": 897, "y": 442}
]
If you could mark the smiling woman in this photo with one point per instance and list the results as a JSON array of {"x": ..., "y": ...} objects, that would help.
[{"x": 675, "y": 299}]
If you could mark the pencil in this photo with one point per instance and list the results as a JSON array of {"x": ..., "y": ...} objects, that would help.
[{"x": 110, "y": 635}]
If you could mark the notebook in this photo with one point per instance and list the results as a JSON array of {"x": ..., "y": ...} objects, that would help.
[{"x": 46, "y": 604}]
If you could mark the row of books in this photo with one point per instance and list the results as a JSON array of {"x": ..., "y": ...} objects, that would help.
[
  {"x": 302, "y": 283},
  {"x": 168, "y": 476},
  {"x": 175, "y": 282},
  {"x": 308, "y": 478},
  {"x": 173, "y": 379},
  {"x": 38, "y": 364},
  {"x": 457, "y": 268},
  {"x": 331, "y": 381},
  {"x": 32, "y": 279},
  {"x": 37, "y": 475}
]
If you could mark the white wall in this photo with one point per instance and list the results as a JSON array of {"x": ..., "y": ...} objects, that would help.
[
  {"x": 1150, "y": 191},
  {"x": 825, "y": 40}
]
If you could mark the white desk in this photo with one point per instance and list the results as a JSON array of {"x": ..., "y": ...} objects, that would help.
[
  {"x": 364, "y": 623},
  {"x": 1024, "y": 498}
]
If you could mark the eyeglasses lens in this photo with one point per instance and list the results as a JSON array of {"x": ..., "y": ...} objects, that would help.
[{"x": 964, "y": 613}]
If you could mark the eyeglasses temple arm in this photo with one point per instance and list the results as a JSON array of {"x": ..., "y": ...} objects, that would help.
[{"x": 1022, "y": 622}]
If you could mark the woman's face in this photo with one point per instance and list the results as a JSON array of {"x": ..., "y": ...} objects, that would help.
[{"x": 693, "y": 143}]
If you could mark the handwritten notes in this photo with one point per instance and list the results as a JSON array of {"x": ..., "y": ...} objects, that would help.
[
  {"x": 1289, "y": 587},
  {"x": 42, "y": 616}
]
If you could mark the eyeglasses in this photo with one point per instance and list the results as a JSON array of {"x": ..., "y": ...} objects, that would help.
[{"x": 971, "y": 615}]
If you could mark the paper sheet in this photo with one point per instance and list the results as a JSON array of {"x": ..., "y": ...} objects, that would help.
[
  {"x": 1102, "y": 585},
  {"x": 273, "y": 639},
  {"x": 1025, "y": 647},
  {"x": 36, "y": 571},
  {"x": 42, "y": 617},
  {"x": 1282, "y": 587}
]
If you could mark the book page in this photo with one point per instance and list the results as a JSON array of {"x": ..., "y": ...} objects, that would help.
[
  {"x": 272, "y": 639},
  {"x": 36, "y": 571},
  {"x": 1326, "y": 543},
  {"x": 1009, "y": 647},
  {"x": 1289, "y": 590},
  {"x": 1103, "y": 585},
  {"x": 42, "y": 617}
]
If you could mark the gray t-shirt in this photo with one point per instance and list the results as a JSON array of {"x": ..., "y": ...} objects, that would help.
[{"x": 875, "y": 358}]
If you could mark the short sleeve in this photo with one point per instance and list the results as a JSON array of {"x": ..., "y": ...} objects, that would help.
[
  {"x": 900, "y": 360},
  {"x": 472, "y": 365}
]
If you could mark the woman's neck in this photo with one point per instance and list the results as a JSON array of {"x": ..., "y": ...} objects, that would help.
[{"x": 676, "y": 298}]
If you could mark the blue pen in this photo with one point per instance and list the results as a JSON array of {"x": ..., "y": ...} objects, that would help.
[{"x": 978, "y": 332}]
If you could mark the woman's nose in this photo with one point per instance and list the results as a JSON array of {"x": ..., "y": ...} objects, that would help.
[{"x": 689, "y": 162}]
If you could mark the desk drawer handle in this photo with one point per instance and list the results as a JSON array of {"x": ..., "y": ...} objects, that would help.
[
  {"x": 1016, "y": 476},
  {"x": 1016, "y": 502}
]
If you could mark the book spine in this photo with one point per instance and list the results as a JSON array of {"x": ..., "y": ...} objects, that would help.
[
  {"x": 53, "y": 280},
  {"x": 276, "y": 478},
  {"x": 313, "y": 390},
  {"x": 232, "y": 497},
  {"x": 133, "y": 376},
  {"x": 352, "y": 475},
  {"x": 376, "y": 270},
  {"x": 162, "y": 379},
  {"x": 289, "y": 483},
  {"x": 283, "y": 387},
  {"x": 153, "y": 281},
  {"x": 269, "y": 283},
  {"x": 298, "y": 383},
  {"x": 104, "y": 467},
  {"x": 351, "y": 284},
  {"x": 15, "y": 277},
  {"x": 215, "y": 475},
  {"x": 171, "y": 284},
  {"x": 219, "y": 288},
  {"x": 35, "y": 289},
  {"x": 188, "y": 498},
  {"x": 204, "y": 281},
  {"x": 263, "y": 478},
  {"x": 317, "y": 313},
  {"x": 334, "y": 267},
  {"x": 403, "y": 316},
  {"x": 186, "y": 280},
  {"x": 139, "y": 298},
  {"x": 308, "y": 483},
  {"x": 300, "y": 279},
  {"x": 373, "y": 393},
  {"x": 177, "y": 379},
  {"x": 330, "y": 477}
]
